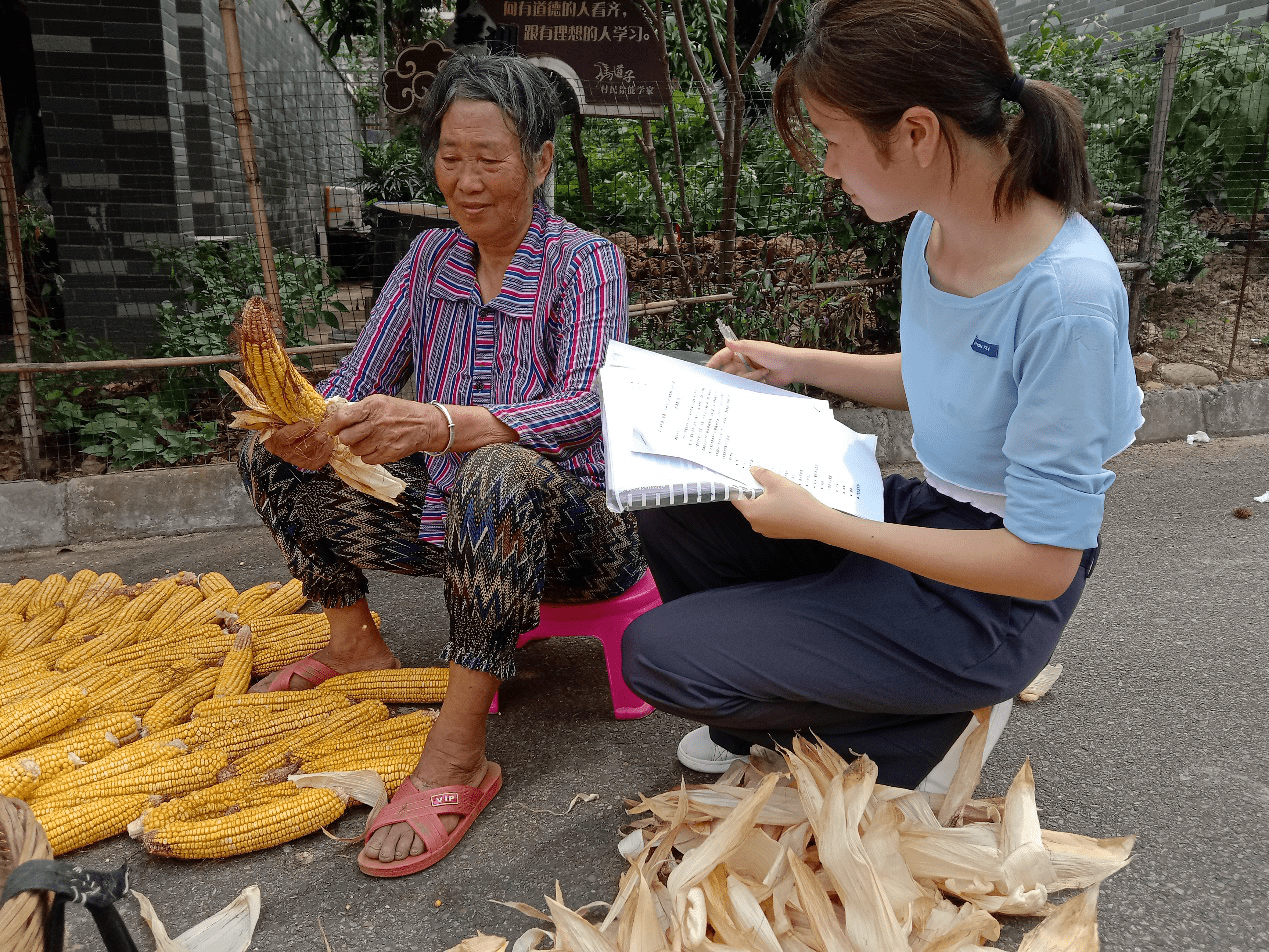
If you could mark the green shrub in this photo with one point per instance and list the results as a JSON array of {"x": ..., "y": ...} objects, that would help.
[{"x": 134, "y": 431}]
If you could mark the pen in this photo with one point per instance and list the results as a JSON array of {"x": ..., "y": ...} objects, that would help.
[{"x": 729, "y": 334}]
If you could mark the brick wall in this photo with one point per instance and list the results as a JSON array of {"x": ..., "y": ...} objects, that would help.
[
  {"x": 1124, "y": 16},
  {"x": 142, "y": 147}
]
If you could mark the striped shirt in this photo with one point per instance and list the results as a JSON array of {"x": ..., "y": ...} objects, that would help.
[{"x": 530, "y": 356}]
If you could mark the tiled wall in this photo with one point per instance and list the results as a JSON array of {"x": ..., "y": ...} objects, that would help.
[{"x": 142, "y": 147}]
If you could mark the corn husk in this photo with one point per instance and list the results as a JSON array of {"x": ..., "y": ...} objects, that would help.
[
  {"x": 372, "y": 480},
  {"x": 229, "y": 930},
  {"x": 818, "y": 857},
  {"x": 1041, "y": 683},
  {"x": 480, "y": 943},
  {"x": 1073, "y": 928}
]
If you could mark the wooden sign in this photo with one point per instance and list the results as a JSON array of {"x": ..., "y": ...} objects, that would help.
[
  {"x": 606, "y": 51},
  {"x": 405, "y": 86}
]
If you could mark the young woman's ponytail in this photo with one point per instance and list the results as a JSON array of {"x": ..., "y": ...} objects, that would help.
[
  {"x": 875, "y": 59},
  {"x": 1046, "y": 149}
]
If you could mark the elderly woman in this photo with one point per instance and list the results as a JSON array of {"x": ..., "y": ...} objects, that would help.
[{"x": 504, "y": 322}]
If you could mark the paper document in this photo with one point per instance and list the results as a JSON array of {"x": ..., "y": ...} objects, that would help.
[{"x": 677, "y": 432}]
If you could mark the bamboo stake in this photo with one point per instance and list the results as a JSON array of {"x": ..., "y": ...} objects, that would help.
[
  {"x": 17, "y": 298},
  {"x": 1153, "y": 184},
  {"x": 247, "y": 145}
]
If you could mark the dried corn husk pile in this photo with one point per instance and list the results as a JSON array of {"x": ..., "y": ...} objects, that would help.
[
  {"x": 808, "y": 852},
  {"x": 279, "y": 394},
  {"x": 125, "y": 707}
]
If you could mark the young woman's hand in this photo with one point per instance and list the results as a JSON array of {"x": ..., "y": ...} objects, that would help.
[
  {"x": 784, "y": 510},
  {"x": 772, "y": 363},
  {"x": 301, "y": 444}
]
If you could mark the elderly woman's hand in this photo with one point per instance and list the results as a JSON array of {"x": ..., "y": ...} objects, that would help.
[
  {"x": 383, "y": 429},
  {"x": 301, "y": 444}
]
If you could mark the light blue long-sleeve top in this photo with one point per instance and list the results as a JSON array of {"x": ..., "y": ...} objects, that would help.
[{"x": 1026, "y": 390}]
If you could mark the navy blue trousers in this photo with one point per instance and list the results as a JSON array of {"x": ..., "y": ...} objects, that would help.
[{"x": 764, "y": 638}]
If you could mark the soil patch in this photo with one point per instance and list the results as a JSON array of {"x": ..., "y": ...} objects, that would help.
[{"x": 1193, "y": 322}]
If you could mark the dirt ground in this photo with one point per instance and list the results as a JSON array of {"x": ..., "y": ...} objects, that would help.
[{"x": 1193, "y": 322}]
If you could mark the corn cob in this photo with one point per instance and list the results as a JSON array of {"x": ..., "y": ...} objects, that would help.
[
  {"x": 70, "y": 828},
  {"x": 27, "y": 722},
  {"x": 271, "y": 823},
  {"x": 271, "y": 653},
  {"x": 284, "y": 601},
  {"x": 262, "y": 730},
  {"x": 209, "y": 583},
  {"x": 393, "y": 686},
  {"x": 22, "y": 775},
  {"x": 195, "y": 733},
  {"x": 44, "y": 597},
  {"x": 33, "y": 659},
  {"x": 175, "y": 706},
  {"x": 264, "y": 702},
  {"x": 252, "y": 597},
  {"x": 19, "y": 777},
  {"x": 38, "y": 630},
  {"x": 204, "y": 612},
  {"x": 191, "y": 771},
  {"x": 205, "y": 641},
  {"x": 105, "y": 587},
  {"x": 4, "y": 587},
  {"x": 181, "y": 601},
  {"x": 148, "y": 602},
  {"x": 96, "y": 678},
  {"x": 21, "y": 668},
  {"x": 124, "y": 760},
  {"x": 278, "y": 627},
  {"x": 392, "y": 763},
  {"x": 45, "y": 654},
  {"x": 90, "y": 624},
  {"x": 98, "y": 647},
  {"x": 16, "y": 598},
  {"x": 209, "y": 650},
  {"x": 235, "y": 671},
  {"x": 278, "y": 753},
  {"x": 12, "y": 620},
  {"x": 269, "y": 371},
  {"x": 78, "y": 586},
  {"x": 214, "y": 801},
  {"x": 121, "y": 725},
  {"x": 26, "y": 686},
  {"x": 372, "y": 736},
  {"x": 136, "y": 693}
]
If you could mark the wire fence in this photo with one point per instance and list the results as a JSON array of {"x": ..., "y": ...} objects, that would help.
[{"x": 145, "y": 265}]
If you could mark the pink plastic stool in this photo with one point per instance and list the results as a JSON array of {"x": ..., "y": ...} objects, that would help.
[{"x": 606, "y": 621}]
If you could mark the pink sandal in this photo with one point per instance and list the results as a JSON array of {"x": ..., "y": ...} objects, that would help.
[
  {"x": 310, "y": 669},
  {"x": 422, "y": 810}
]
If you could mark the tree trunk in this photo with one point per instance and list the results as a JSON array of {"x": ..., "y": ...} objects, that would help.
[{"x": 583, "y": 164}]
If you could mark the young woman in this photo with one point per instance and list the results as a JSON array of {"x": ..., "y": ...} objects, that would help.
[{"x": 784, "y": 616}]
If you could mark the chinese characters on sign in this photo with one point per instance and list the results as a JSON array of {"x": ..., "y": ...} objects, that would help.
[{"x": 606, "y": 51}]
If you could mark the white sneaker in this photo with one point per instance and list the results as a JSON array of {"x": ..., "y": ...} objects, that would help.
[{"x": 698, "y": 751}]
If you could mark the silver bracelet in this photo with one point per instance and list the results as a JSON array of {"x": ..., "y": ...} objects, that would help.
[{"x": 448, "y": 419}]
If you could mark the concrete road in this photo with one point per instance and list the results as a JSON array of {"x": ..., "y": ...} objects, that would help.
[{"x": 1158, "y": 727}]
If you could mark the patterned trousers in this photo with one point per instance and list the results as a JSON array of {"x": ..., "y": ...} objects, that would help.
[{"x": 519, "y": 531}]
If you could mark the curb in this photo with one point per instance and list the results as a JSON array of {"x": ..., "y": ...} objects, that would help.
[{"x": 163, "y": 502}]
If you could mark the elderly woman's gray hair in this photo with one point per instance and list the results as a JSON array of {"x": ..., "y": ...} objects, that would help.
[{"x": 521, "y": 90}]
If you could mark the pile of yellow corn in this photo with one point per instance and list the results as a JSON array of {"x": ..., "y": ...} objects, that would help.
[{"x": 123, "y": 703}]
